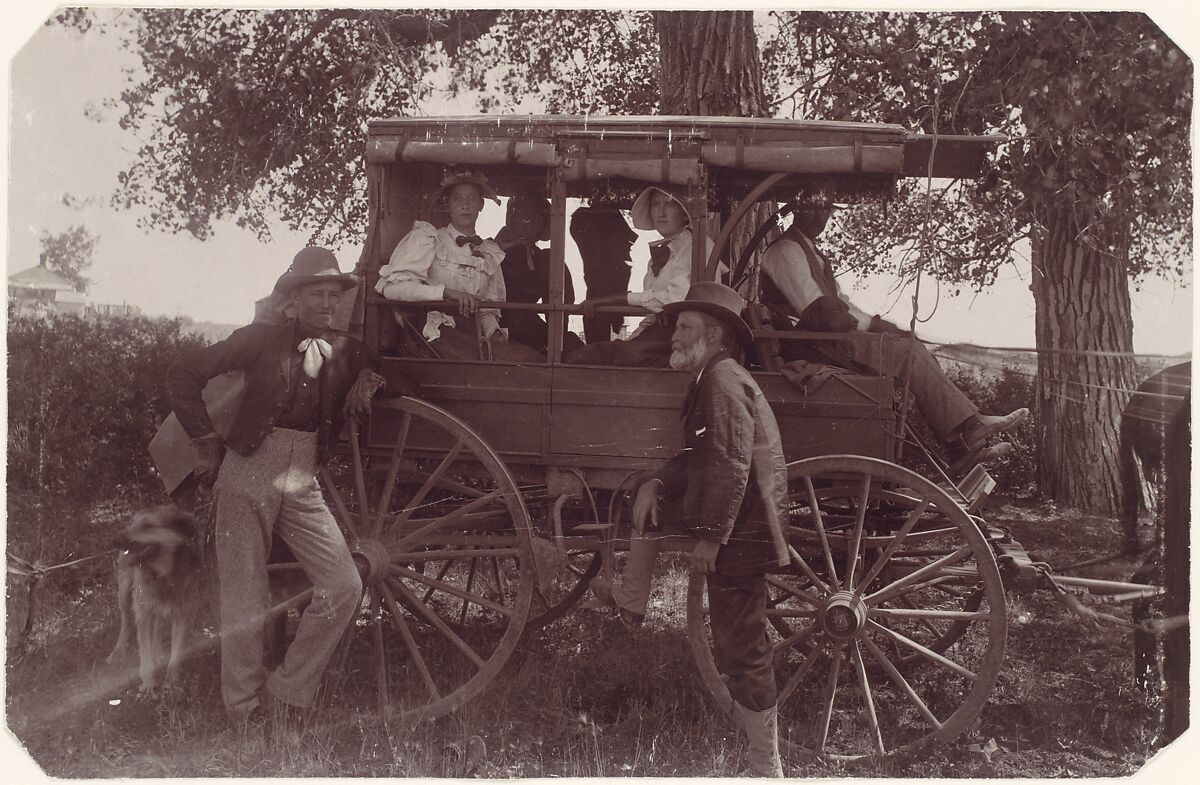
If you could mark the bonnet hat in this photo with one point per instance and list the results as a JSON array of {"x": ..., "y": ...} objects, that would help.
[{"x": 641, "y": 206}]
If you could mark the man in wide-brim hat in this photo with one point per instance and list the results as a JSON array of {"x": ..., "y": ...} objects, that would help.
[
  {"x": 728, "y": 489},
  {"x": 301, "y": 379}
]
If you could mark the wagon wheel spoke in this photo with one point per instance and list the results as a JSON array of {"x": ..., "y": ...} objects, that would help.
[
  {"x": 902, "y": 683},
  {"x": 835, "y": 671},
  {"x": 339, "y": 505},
  {"x": 864, "y": 687},
  {"x": 438, "y": 623},
  {"x": 464, "y": 594},
  {"x": 389, "y": 487},
  {"x": 450, "y": 519},
  {"x": 381, "y": 680},
  {"x": 410, "y": 642},
  {"x": 930, "y": 570},
  {"x": 462, "y": 616},
  {"x": 789, "y": 688},
  {"x": 860, "y": 516},
  {"x": 429, "y": 483},
  {"x": 928, "y": 654},
  {"x": 894, "y": 545},
  {"x": 793, "y": 641},
  {"x": 440, "y": 575},
  {"x": 818, "y": 522}
]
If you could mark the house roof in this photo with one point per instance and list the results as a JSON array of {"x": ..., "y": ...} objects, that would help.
[{"x": 40, "y": 277}]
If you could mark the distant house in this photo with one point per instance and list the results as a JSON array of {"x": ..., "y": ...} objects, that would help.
[{"x": 39, "y": 291}]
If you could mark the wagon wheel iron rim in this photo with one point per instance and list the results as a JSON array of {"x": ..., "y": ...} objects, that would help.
[
  {"x": 443, "y": 545},
  {"x": 889, "y": 651}
]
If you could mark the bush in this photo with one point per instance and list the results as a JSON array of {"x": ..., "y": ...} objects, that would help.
[{"x": 85, "y": 397}]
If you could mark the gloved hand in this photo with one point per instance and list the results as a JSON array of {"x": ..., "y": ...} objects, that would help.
[
  {"x": 210, "y": 451},
  {"x": 358, "y": 400}
]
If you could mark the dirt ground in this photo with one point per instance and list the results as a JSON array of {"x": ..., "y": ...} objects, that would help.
[{"x": 584, "y": 697}]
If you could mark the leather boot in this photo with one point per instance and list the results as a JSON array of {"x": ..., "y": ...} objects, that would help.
[{"x": 762, "y": 730}]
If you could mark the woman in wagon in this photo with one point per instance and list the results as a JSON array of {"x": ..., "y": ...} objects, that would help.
[
  {"x": 455, "y": 263},
  {"x": 799, "y": 288},
  {"x": 668, "y": 277}
]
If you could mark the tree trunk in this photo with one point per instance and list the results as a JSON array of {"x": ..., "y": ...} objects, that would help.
[
  {"x": 709, "y": 64},
  {"x": 1081, "y": 295}
]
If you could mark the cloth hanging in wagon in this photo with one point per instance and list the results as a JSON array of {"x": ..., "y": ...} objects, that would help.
[{"x": 807, "y": 377}]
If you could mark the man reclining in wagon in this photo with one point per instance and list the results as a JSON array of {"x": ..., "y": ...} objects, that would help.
[
  {"x": 799, "y": 288},
  {"x": 667, "y": 280},
  {"x": 454, "y": 263}
]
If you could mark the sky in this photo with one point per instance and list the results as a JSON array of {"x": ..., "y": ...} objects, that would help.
[{"x": 55, "y": 150}]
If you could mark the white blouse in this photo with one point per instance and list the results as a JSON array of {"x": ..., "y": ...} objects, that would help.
[
  {"x": 673, "y": 280},
  {"x": 428, "y": 261}
]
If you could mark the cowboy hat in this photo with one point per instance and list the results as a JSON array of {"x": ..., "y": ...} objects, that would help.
[
  {"x": 718, "y": 301},
  {"x": 313, "y": 265},
  {"x": 455, "y": 177},
  {"x": 641, "y": 207}
]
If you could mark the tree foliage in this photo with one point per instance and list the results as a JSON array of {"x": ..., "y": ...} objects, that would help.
[
  {"x": 70, "y": 253},
  {"x": 251, "y": 114},
  {"x": 1096, "y": 107}
]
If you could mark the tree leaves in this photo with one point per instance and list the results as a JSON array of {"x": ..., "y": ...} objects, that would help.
[{"x": 70, "y": 253}]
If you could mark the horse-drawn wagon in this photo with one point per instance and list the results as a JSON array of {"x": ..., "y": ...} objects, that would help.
[{"x": 482, "y": 507}]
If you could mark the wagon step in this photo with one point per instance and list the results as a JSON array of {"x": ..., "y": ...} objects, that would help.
[{"x": 592, "y": 527}]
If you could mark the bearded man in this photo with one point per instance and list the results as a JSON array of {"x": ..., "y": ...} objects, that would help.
[{"x": 728, "y": 490}]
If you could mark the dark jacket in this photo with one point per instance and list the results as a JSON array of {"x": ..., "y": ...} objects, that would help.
[
  {"x": 264, "y": 352},
  {"x": 730, "y": 481}
]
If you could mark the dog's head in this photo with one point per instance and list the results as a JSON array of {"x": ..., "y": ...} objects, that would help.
[{"x": 153, "y": 538}]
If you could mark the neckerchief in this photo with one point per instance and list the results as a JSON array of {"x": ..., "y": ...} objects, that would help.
[
  {"x": 316, "y": 352},
  {"x": 660, "y": 253}
]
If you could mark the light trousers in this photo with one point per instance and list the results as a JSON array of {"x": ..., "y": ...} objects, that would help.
[{"x": 275, "y": 490}]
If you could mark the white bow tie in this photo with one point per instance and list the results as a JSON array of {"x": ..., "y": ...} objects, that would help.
[{"x": 316, "y": 352}]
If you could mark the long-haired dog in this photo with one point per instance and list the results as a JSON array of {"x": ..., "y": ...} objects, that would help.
[{"x": 158, "y": 590}]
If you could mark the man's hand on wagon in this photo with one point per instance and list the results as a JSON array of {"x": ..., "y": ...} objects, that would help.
[
  {"x": 590, "y": 305},
  {"x": 645, "y": 504},
  {"x": 467, "y": 303},
  {"x": 358, "y": 400}
]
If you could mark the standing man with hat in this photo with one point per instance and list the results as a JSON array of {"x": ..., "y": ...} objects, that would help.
[
  {"x": 728, "y": 489},
  {"x": 302, "y": 379}
]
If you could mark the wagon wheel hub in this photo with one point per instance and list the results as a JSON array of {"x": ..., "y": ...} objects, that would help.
[
  {"x": 844, "y": 615},
  {"x": 372, "y": 560}
]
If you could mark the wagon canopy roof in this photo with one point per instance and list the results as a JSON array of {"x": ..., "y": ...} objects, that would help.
[{"x": 669, "y": 149}]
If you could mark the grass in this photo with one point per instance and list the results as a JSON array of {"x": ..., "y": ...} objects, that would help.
[{"x": 582, "y": 698}]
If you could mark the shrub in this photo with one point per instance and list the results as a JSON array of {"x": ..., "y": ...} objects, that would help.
[{"x": 85, "y": 397}]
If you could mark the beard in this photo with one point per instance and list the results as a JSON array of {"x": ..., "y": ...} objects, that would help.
[{"x": 689, "y": 357}]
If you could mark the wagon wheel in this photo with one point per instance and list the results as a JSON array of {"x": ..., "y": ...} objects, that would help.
[
  {"x": 569, "y": 587},
  {"x": 443, "y": 546},
  {"x": 912, "y": 629}
]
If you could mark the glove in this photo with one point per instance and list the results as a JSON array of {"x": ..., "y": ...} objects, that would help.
[
  {"x": 210, "y": 451},
  {"x": 358, "y": 400}
]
